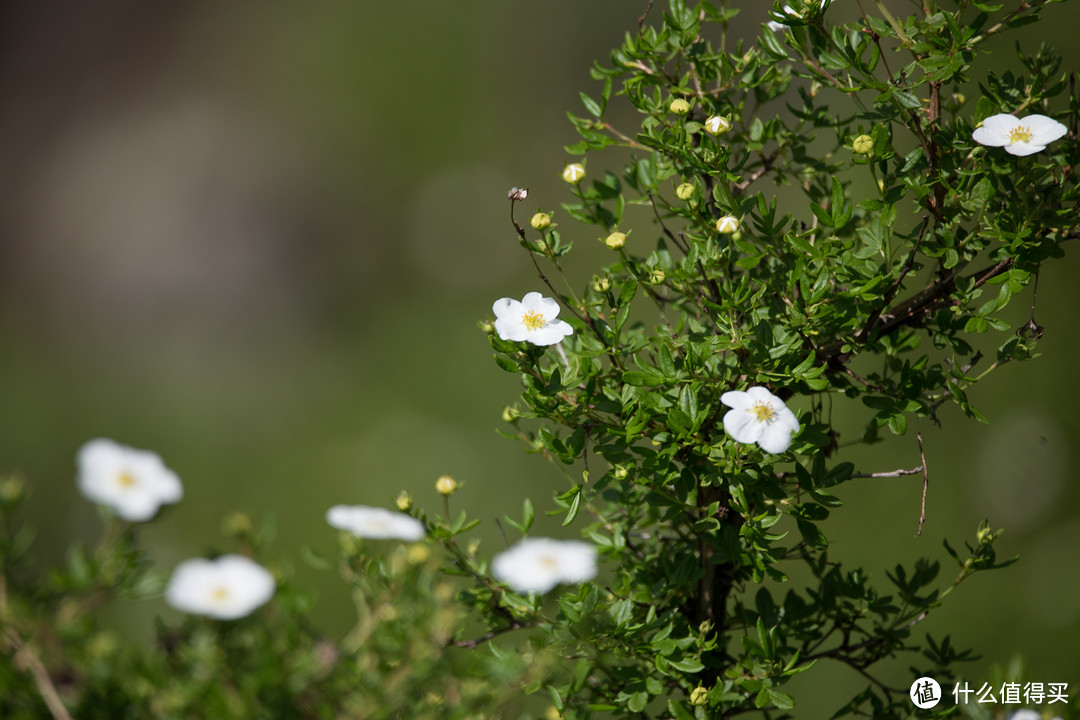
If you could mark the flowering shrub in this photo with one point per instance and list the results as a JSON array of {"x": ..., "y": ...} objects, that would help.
[{"x": 689, "y": 383}]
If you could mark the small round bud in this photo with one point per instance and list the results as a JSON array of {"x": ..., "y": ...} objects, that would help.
[
  {"x": 540, "y": 221},
  {"x": 863, "y": 145},
  {"x": 717, "y": 125},
  {"x": 403, "y": 501},
  {"x": 727, "y": 224},
  {"x": 517, "y": 193},
  {"x": 984, "y": 535},
  {"x": 487, "y": 326},
  {"x": 12, "y": 489},
  {"x": 959, "y": 98},
  {"x": 657, "y": 276},
  {"x": 510, "y": 414},
  {"x": 417, "y": 554},
  {"x": 621, "y": 471},
  {"x": 679, "y": 106},
  {"x": 447, "y": 485},
  {"x": 699, "y": 696},
  {"x": 601, "y": 284},
  {"x": 237, "y": 525},
  {"x": 573, "y": 173},
  {"x": 615, "y": 240},
  {"x": 684, "y": 191}
]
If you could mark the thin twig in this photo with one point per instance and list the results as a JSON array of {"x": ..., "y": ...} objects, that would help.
[
  {"x": 891, "y": 474},
  {"x": 925, "y": 483},
  {"x": 41, "y": 677}
]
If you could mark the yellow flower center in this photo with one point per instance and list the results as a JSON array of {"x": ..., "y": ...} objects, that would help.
[
  {"x": 1020, "y": 134},
  {"x": 547, "y": 562},
  {"x": 763, "y": 412},
  {"x": 219, "y": 594},
  {"x": 533, "y": 320},
  {"x": 125, "y": 480}
]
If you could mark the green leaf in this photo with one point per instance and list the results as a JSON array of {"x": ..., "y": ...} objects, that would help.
[{"x": 573, "y": 511}]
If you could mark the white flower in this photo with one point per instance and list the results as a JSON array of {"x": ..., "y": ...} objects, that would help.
[
  {"x": 134, "y": 483},
  {"x": 227, "y": 588},
  {"x": 573, "y": 173},
  {"x": 532, "y": 319},
  {"x": 758, "y": 416},
  {"x": 375, "y": 523},
  {"x": 1019, "y": 136},
  {"x": 537, "y": 565}
]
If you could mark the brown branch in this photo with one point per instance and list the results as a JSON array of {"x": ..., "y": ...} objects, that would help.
[
  {"x": 926, "y": 482},
  {"x": 44, "y": 683}
]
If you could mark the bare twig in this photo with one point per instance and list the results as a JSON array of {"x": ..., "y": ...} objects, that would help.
[
  {"x": 44, "y": 683},
  {"x": 925, "y": 483},
  {"x": 892, "y": 474}
]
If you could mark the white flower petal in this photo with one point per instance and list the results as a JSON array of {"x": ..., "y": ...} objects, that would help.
[
  {"x": 533, "y": 319},
  {"x": 742, "y": 425},
  {"x": 1044, "y": 130},
  {"x": 775, "y": 438},
  {"x": 375, "y": 523},
  {"x": 506, "y": 308},
  {"x": 1022, "y": 148},
  {"x": 511, "y": 329},
  {"x": 550, "y": 333},
  {"x": 736, "y": 399},
  {"x": 761, "y": 396}
]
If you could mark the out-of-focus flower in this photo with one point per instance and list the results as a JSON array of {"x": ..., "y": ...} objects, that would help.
[
  {"x": 615, "y": 240},
  {"x": 536, "y": 565},
  {"x": 540, "y": 221},
  {"x": 533, "y": 319},
  {"x": 573, "y": 173},
  {"x": 375, "y": 523},
  {"x": 134, "y": 483},
  {"x": 727, "y": 224},
  {"x": 758, "y": 416},
  {"x": 1019, "y": 136},
  {"x": 226, "y": 589},
  {"x": 717, "y": 125},
  {"x": 792, "y": 13}
]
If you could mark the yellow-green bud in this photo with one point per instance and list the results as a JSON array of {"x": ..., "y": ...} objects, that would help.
[
  {"x": 615, "y": 240},
  {"x": 684, "y": 191},
  {"x": 510, "y": 414},
  {"x": 863, "y": 145},
  {"x": 447, "y": 485},
  {"x": 417, "y": 554},
  {"x": 727, "y": 224},
  {"x": 959, "y": 99},
  {"x": 11, "y": 490},
  {"x": 717, "y": 125},
  {"x": 621, "y": 472},
  {"x": 657, "y": 276},
  {"x": 487, "y": 326},
  {"x": 699, "y": 696},
  {"x": 573, "y": 173},
  {"x": 540, "y": 221},
  {"x": 404, "y": 500},
  {"x": 601, "y": 284},
  {"x": 237, "y": 525},
  {"x": 679, "y": 106}
]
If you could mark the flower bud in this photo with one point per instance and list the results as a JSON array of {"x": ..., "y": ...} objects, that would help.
[
  {"x": 573, "y": 173},
  {"x": 510, "y": 414},
  {"x": 657, "y": 276},
  {"x": 417, "y": 554},
  {"x": 517, "y": 193},
  {"x": 684, "y": 191},
  {"x": 679, "y": 106},
  {"x": 404, "y": 501},
  {"x": 540, "y": 221},
  {"x": 12, "y": 489},
  {"x": 863, "y": 145},
  {"x": 727, "y": 224},
  {"x": 717, "y": 125},
  {"x": 615, "y": 240},
  {"x": 487, "y": 326},
  {"x": 601, "y": 284},
  {"x": 621, "y": 471},
  {"x": 699, "y": 696},
  {"x": 237, "y": 525},
  {"x": 447, "y": 485}
]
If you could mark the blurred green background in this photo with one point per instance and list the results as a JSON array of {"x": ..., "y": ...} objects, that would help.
[{"x": 257, "y": 239}]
